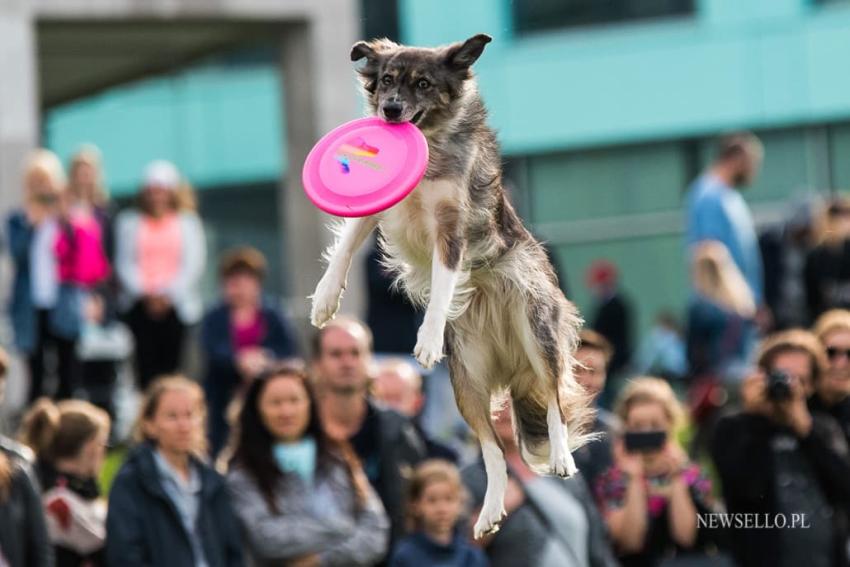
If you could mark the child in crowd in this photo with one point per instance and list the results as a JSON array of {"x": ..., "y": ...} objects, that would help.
[
  {"x": 69, "y": 439},
  {"x": 436, "y": 498}
]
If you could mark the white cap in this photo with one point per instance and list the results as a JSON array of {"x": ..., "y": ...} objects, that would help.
[{"x": 161, "y": 173}]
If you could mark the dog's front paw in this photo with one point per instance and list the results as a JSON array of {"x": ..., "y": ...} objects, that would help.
[
  {"x": 429, "y": 345},
  {"x": 488, "y": 521},
  {"x": 326, "y": 300}
]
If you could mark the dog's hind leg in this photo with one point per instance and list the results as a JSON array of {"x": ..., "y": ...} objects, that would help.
[
  {"x": 561, "y": 461},
  {"x": 543, "y": 336},
  {"x": 473, "y": 400},
  {"x": 493, "y": 508}
]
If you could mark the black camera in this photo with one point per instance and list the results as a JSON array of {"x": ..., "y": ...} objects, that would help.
[
  {"x": 778, "y": 386},
  {"x": 644, "y": 441}
]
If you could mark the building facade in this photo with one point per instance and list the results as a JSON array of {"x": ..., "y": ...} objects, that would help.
[{"x": 605, "y": 111}]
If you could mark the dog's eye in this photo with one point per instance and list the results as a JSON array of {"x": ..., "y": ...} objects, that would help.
[
  {"x": 423, "y": 84},
  {"x": 387, "y": 79}
]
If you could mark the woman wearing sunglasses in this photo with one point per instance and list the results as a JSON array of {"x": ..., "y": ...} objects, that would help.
[{"x": 832, "y": 391}]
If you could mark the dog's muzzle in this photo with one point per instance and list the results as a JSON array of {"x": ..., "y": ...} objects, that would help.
[{"x": 392, "y": 111}]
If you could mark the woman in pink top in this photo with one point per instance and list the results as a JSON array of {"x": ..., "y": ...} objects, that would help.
[
  {"x": 90, "y": 268},
  {"x": 160, "y": 257}
]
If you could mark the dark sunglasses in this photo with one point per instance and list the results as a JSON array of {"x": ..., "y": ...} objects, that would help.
[{"x": 835, "y": 352}]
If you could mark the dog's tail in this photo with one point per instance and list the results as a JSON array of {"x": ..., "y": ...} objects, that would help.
[{"x": 532, "y": 428}]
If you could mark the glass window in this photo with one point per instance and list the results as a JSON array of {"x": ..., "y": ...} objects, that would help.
[
  {"x": 535, "y": 15},
  {"x": 839, "y": 149},
  {"x": 608, "y": 182}
]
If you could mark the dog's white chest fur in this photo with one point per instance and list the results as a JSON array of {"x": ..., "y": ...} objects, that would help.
[
  {"x": 410, "y": 227},
  {"x": 410, "y": 232}
]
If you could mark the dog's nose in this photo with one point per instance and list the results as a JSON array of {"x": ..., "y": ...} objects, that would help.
[{"x": 392, "y": 110}]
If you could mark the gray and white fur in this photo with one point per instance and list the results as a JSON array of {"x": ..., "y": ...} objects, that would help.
[{"x": 491, "y": 298}]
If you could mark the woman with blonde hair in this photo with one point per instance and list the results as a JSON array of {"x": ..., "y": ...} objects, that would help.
[
  {"x": 92, "y": 271},
  {"x": 160, "y": 258},
  {"x": 827, "y": 270},
  {"x": 720, "y": 330},
  {"x": 832, "y": 389},
  {"x": 46, "y": 314},
  {"x": 167, "y": 505},
  {"x": 652, "y": 494},
  {"x": 69, "y": 440}
]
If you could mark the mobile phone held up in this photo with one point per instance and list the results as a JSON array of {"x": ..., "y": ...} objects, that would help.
[{"x": 644, "y": 441}]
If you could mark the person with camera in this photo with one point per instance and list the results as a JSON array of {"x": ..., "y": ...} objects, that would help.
[
  {"x": 651, "y": 496},
  {"x": 785, "y": 471}
]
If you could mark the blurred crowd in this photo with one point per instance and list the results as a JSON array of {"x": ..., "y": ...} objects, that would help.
[{"x": 721, "y": 441}]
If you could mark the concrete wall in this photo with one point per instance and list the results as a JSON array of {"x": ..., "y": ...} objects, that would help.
[{"x": 314, "y": 40}]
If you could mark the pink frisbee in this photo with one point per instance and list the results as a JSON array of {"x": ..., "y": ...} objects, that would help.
[{"x": 364, "y": 167}]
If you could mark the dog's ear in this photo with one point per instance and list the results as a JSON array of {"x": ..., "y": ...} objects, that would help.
[
  {"x": 461, "y": 56},
  {"x": 371, "y": 50},
  {"x": 360, "y": 50}
]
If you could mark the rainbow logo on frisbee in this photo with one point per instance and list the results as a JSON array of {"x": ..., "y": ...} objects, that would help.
[
  {"x": 358, "y": 148},
  {"x": 365, "y": 166}
]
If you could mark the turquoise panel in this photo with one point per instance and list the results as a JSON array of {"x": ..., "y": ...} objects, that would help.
[
  {"x": 759, "y": 63},
  {"x": 611, "y": 182},
  {"x": 219, "y": 125}
]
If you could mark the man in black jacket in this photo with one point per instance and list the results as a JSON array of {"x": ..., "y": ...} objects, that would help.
[
  {"x": 778, "y": 463},
  {"x": 386, "y": 442},
  {"x": 397, "y": 385}
]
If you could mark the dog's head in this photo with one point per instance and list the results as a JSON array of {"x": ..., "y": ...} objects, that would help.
[{"x": 413, "y": 84}]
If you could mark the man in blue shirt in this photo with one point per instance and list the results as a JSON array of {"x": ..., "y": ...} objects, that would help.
[{"x": 717, "y": 211}]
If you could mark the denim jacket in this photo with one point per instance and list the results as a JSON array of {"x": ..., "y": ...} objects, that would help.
[{"x": 65, "y": 318}]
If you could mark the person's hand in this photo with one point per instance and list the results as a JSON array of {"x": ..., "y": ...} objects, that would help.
[
  {"x": 311, "y": 560},
  {"x": 94, "y": 310},
  {"x": 514, "y": 495},
  {"x": 754, "y": 395},
  {"x": 673, "y": 458},
  {"x": 251, "y": 362},
  {"x": 764, "y": 320},
  {"x": 36, "y": 213},
  {"x": 157, "y": 306},
  {"x": 629, "y": 463},
  {"x": 671, "y": 462},
  {"x": 794, "y": 412}
]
